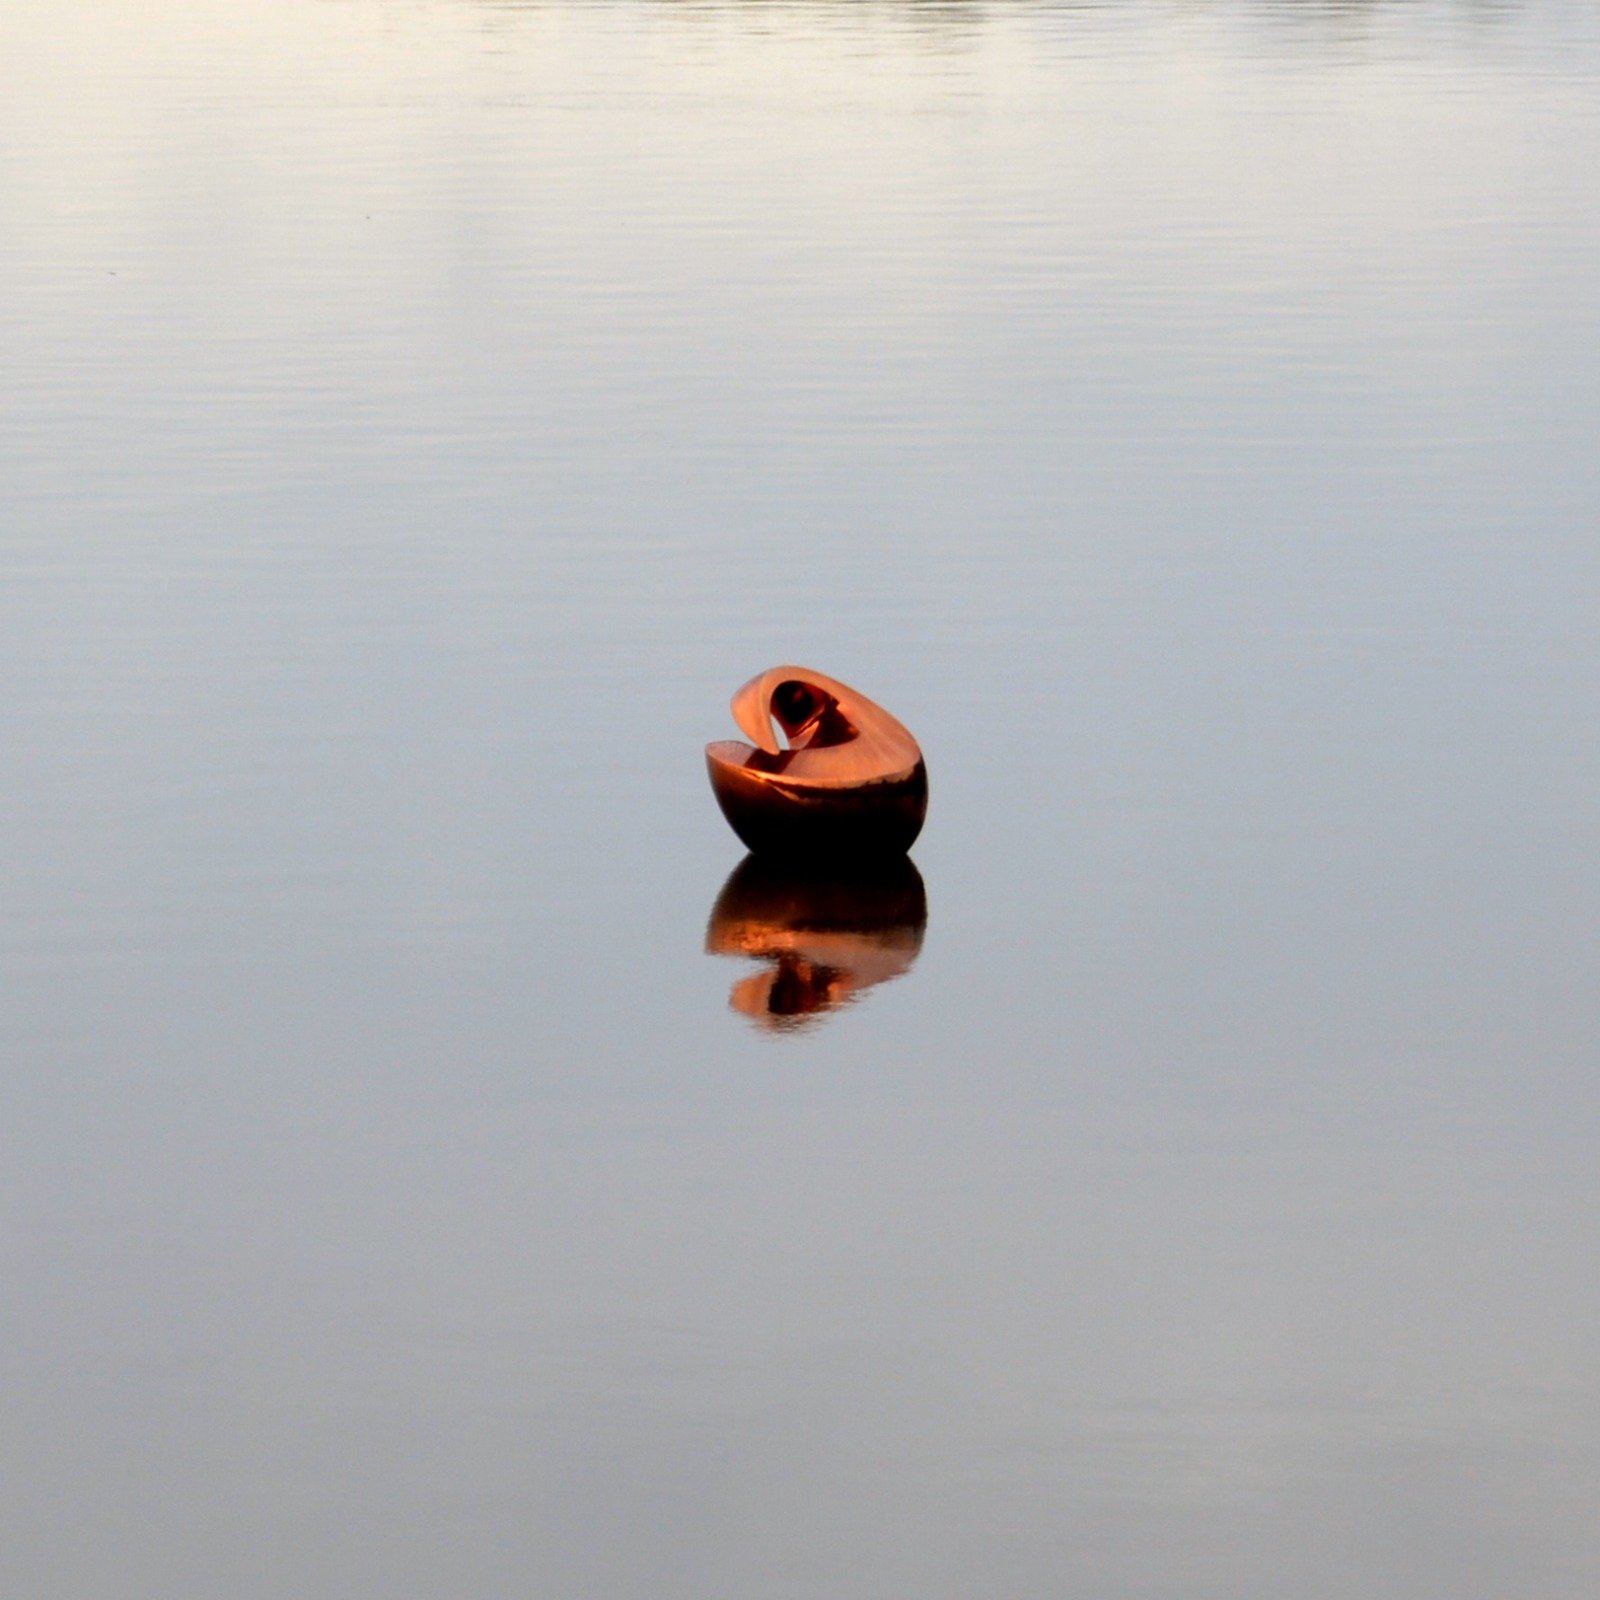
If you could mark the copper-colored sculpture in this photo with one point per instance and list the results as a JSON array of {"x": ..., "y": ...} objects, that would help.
[
  {"x": 825, "y": 937},
  {"x": 851, "y": 783}
]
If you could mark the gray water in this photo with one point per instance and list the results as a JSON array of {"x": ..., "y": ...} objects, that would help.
[{"x": 418, "y": 418}]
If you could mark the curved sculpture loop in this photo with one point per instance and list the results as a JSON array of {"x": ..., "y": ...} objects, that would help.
[
  {"x": 850, "y": 783},
  {"x": 822, "y": 936}
]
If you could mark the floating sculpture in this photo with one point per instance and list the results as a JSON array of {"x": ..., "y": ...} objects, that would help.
[
  {"x": 824, "y": 936},
  {"x": 851, "y": 783}
]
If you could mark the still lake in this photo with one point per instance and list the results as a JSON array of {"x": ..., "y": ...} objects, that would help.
[{"x": 417, "y": 417}]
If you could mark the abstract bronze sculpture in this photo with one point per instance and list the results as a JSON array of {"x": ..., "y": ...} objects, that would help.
[
  {"x": 851, "y": 783},
  {"x": 823, "y": 935}
]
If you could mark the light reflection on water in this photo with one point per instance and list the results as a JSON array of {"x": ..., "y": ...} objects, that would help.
[
  {"x": 823, "y": 935},
  {"x": 416, "y": 415}
]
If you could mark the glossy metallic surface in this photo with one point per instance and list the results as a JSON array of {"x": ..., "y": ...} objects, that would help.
[
  {"x": 824, "y": 937},
  {"x": 850, "y": 783}
]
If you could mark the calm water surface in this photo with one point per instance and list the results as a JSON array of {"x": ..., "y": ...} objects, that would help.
[{"x": 417, "y": 418}]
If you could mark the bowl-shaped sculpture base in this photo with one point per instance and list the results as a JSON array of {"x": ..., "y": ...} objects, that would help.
[{"x": 806, "y": 821}]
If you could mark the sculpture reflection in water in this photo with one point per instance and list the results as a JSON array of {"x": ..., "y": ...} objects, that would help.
[{"x": 824, "y": 934}]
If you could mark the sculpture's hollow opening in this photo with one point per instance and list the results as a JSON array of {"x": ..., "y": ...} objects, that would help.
[{"x": 808, "y": 717}]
